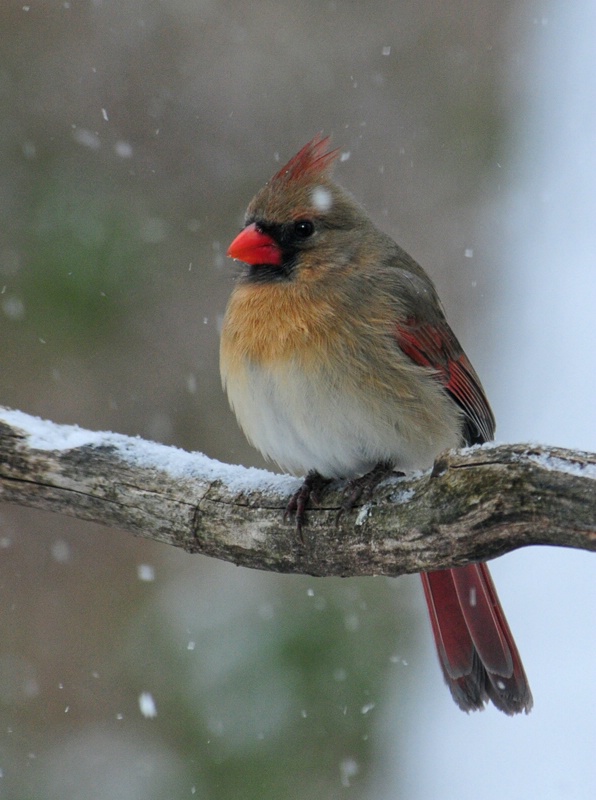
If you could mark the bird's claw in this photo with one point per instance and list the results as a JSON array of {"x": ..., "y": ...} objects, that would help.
[
  {"x": 356, "y": 490},
  {"x": 311, "y": 489},
  {"x": 363, "y": 487}
]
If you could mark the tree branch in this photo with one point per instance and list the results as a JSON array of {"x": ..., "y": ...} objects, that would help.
[{"x": 476, "y": 504}]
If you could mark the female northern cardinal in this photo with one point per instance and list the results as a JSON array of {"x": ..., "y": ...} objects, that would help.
[{"x": 337, "y": 360}]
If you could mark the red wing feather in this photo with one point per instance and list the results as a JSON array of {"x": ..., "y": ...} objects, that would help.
[{"x": 435, "y": 346}]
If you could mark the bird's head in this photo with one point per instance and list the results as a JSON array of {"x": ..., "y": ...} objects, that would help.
[{"x": 299, "y": 222}]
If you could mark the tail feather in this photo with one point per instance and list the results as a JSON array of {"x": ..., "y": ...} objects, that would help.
[{"x": 478, "y": 656}]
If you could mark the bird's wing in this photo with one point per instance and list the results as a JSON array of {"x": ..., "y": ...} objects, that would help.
[{"x": 434, "y": 345}]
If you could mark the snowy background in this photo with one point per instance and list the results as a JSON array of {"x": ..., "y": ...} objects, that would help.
[{"x": 132, "y": 135}]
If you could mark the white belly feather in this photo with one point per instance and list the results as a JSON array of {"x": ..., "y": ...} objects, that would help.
[{"x": 336, "y": 432}]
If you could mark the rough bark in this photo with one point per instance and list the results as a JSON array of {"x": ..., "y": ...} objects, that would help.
[{"x": 476, "y": 503}]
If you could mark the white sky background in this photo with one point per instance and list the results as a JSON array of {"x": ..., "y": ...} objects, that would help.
[{"x": 543, "y": 390}]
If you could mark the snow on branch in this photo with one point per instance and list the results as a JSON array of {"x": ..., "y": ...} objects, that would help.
[{"x": 475, "y": 504}]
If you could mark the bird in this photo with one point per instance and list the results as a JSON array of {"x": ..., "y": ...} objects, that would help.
[{"x": 339, "y": 363}]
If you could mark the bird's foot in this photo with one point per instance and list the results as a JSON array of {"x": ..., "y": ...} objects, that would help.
[
  {"x": 363, "y": 487},
  {"x": 311, "y": 489}
]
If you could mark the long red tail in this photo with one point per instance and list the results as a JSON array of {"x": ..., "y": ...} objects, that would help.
[{"x": 478, "y": 656}]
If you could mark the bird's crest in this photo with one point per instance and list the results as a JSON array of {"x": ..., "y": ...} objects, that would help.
[{"x": 313, "y": 161}]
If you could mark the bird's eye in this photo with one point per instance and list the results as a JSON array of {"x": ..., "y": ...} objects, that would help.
[{"x": 303, "y": 228}]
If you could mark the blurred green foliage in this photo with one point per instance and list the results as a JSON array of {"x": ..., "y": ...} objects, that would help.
[
  {"x": 280, "y": 693},
  {"x": 84, "y": 263}
]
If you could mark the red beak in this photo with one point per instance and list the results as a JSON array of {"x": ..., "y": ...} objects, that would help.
[{"x": 255, "y": 247}]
